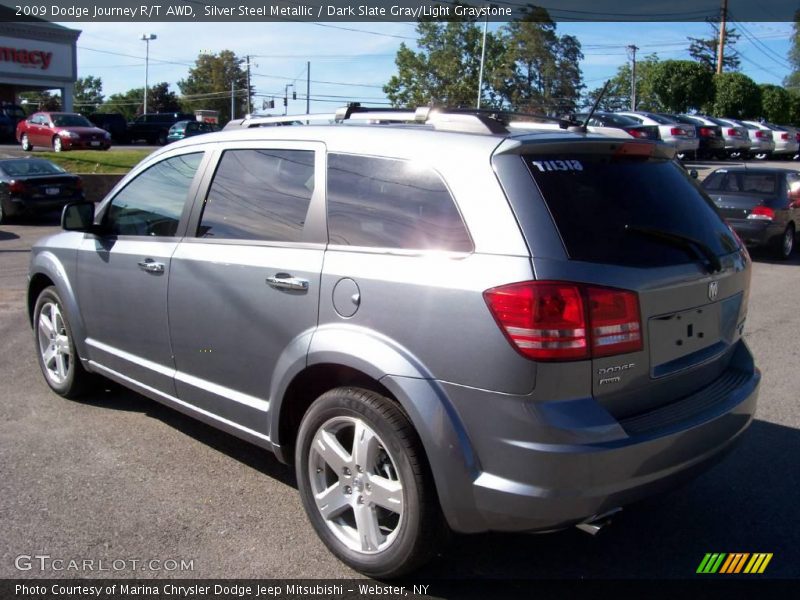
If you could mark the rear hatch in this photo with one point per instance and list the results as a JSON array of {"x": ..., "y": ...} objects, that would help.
[
  {"x": 629, "y": 218},
  {"x": 738, "y": 193}
]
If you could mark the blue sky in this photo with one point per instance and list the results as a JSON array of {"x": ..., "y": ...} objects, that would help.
[{"x": 351, "y": 61}]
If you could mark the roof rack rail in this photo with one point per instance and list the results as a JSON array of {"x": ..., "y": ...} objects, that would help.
[{"x": 467, "y": 120}]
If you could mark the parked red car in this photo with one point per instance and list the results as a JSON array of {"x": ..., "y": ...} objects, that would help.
[{"x": 61, "y": 131}]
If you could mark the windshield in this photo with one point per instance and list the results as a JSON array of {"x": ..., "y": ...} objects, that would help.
[
  {"x": 30, "y": 166},
  {"x": 597, "y": 199},
  {"x": 660, "y": 119},
  {"x": 70, "y": 121}
]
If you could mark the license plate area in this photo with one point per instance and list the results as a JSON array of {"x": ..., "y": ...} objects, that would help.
[
  {"x": 52, "y": 191},
  {"x": 683, "y": 339},
  {"x": 95, "y": 143}
]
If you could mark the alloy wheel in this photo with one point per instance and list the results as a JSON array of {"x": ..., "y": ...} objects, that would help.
[
  {"x": 54, "y": 344},
  {"x": 356, "y": 485}
]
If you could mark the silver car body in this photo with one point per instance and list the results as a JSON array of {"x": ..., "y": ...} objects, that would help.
[
  {"x": 786, "y": 143},
  {"x": 736, "y": 137},
  {"x": 761, "y": 140},
  {"x": 512, "y": 443},
  {"x": 680, "y": 136}
]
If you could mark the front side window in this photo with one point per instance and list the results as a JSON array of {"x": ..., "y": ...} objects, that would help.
[
  {"x": 151, "y": 204},
  {"x": 388, "y": 203},
  {"x": 260, "y": 195}
]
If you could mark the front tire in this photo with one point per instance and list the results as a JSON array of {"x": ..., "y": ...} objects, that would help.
[
  {"x": 58, "y": 145},
  {"x": 365, "y": 485},
  {"x": 25, "y": 143},
  {"x": 55, "y": 347}
]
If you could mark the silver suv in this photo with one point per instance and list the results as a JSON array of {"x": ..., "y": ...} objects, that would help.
[{"x": 445, "y": 323}]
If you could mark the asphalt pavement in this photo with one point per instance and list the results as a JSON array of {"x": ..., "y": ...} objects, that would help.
[{"x": 117, "y": 476}]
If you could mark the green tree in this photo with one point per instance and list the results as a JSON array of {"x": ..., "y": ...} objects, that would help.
[
  {"x": 682, "y": 85},
  {"x": 618, "y": 94},
  {"x": 792, "y": 81},
  {"x": 131, "y": 103},
  {"x": 540, "y": 70},
  {"x": 208, "y": 85},
  {"x": 44, "y": 100},
  {"x": 87, "y": 94},
  {"x": 776, "y": 103},
  {"x": 704, "y": 50},
  {"x": 736, "y": 96},
  {"x": 446, "y": 69}
]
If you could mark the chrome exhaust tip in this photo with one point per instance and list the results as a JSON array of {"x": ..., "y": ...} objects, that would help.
[{"x": 594, "y": 524}]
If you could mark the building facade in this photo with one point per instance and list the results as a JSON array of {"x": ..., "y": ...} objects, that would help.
[{"x": 36, "y": 57}]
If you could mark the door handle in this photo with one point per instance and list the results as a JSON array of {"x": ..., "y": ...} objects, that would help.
[
  {"x": 150, "y": 266},
  {"x": 284, "y": 281}
]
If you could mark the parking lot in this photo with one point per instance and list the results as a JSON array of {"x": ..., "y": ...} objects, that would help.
[{"x": 118, "y": 476}]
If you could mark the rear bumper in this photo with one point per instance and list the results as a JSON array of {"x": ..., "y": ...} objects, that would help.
[
  {"x": 755, "y": 232},
  {"x": 592, "y": 463},
  {"x": 20, "y": 206}
]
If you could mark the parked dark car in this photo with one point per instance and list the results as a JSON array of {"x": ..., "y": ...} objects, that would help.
[
  {"x": 61, "y": 131},
  {"x": 627, "y": 124},
  {"x": 34, "y": 186},
  {"x": 10, "y": 115},
  {"x": 712, "y": 143},
  {"x": 114, "y": 123},
  {"x": 762, "y": 205},
  {"x": 153, "y": 128},
  {"x": 184, "y": 129}
]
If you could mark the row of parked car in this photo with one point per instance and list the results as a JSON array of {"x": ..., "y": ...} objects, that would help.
[
  {"x": 704, "y": 137},
  {"x": 65, "y": 131}
]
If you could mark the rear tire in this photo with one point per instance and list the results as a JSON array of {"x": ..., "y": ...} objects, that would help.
[
  {"x": 785, "y": 246},
  {"x": 55, "y": 347},
  {"x": 373, "y": 504}
]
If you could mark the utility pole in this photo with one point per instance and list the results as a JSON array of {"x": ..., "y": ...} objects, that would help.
[
  {"x": 248, "y": 83},
  {"x": 308, "y": 87},
  {"x": 633, "y": 48},
  {"x": 721, "y": 47},
  {"x": 483, "y": 57},
  {"x": 233, "y": 104}
]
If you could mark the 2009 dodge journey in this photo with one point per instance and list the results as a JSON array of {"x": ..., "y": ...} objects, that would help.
[{"x": 444, "y": 320}]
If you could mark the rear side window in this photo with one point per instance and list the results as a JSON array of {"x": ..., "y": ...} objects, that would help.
[
  {"x": 597, "y": 201},
  {"x": 259, "y": 195},
  {"x": 388, "y": 203}
]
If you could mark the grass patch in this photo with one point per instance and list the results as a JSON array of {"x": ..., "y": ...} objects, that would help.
[{"x": 94, "y": 161}]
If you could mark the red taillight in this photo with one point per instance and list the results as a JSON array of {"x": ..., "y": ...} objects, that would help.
[
  {"x": 760, "y": 134},
  {"x": 615, "y": 322},
  {"x": 797, "y": 136},
  {"x": 637, "y": 133},
  {"x": 677, "y": 131},
  {"x": 785, "y": 136},
  {"x": 78, "y": 184},
  {"x": 547, "y": 320},
  {"x": 16, "y": 187},
  {"x": 706, "y": 132},
  {"x": 762, "y": 213},
  {"x": 733, "y": 133}
]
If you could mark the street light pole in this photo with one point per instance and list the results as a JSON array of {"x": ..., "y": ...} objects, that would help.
[
  {"x": 286, "y": 97},
  {"x": 146, "y": 38}
]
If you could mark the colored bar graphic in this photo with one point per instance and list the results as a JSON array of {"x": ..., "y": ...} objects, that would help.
[{"x": 724, "y": 563}]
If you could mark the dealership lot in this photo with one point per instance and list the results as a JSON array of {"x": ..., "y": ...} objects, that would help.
[{"x": 117, "y": 476}]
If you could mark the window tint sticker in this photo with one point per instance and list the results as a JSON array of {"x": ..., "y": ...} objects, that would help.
[{"x": 557, "y": 165}]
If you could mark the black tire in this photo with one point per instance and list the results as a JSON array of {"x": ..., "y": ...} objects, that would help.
[
  {"x": 25, "y": 143},
  {"x": 4, "y": 218},
  {"x": 784, "y": 247},
  {"x": 418, "y": 532},
  {"x": 162, "y": 138},
  {"x": 58, "y": 145},
  {"x": 77, "y": 380}
]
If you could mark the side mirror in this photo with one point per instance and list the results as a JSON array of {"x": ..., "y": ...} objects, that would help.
[
  {"x": 78, "y": 216},
  {"x": 693, "y": 173}
]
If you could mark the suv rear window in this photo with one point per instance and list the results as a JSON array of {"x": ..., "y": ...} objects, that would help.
[
  {"x": 389, "y": 203},
  {"x": 596, "y": 201}
]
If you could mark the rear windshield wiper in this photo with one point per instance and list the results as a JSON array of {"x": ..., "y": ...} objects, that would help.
[{"x": 701, "y": 250}]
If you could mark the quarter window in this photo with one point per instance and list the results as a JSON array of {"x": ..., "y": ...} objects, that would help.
[
  {"x": 152, "y": 203},
  {"x": 386, "y": 203},
  {"x": 259, "y": 195}
]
